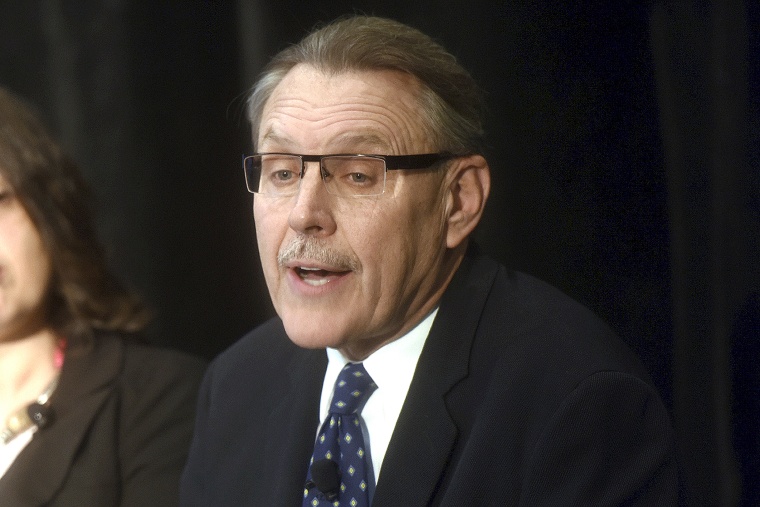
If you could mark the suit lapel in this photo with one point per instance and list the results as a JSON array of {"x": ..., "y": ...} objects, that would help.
[
  {"x": 41, "y": 468},
  {"x": 293, "y": 423},
  {"x": 425, "y": 434}
]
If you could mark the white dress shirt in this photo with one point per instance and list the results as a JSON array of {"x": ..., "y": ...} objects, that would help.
[
  {"x": 392, "y": 368},
  {"x": 10, "y": 451}
]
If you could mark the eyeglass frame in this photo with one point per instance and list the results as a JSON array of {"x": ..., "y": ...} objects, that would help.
[{"x": 391, "y": 162}]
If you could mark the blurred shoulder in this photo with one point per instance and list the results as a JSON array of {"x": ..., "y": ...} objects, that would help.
[
  {"x": 144, "y": 363},
  {"x": 263, "y": 344},
  {"x": 259, "y": 356},
  {"x": 521, "y": 316}
]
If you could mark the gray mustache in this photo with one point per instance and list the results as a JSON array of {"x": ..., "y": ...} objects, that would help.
[{"x": 308, "y": 248}]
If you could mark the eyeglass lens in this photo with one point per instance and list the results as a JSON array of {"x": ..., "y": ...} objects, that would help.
[{"x": 348, "y": 176}]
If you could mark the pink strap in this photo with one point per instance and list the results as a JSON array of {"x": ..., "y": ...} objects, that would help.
[{"x": 60, "y": 353}]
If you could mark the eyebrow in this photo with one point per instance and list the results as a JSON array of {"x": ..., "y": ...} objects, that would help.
[
  {"x": 273, "y": 136},
  {"x": 364, "y": 140}
]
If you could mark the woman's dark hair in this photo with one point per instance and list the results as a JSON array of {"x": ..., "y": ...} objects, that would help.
[{"x": 84, "y": 295}]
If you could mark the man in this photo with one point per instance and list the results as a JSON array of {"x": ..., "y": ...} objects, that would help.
[{"x": 485, "y": 386}]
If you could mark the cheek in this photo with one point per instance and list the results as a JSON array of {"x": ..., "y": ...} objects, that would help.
[
  {"x": 268, "y": 239},
  {"x": 387, "y": 247},
  {"x": 45, "y": 276},
  {"x": 36, "y": 267},
  {"x": 268, "y": 225}
]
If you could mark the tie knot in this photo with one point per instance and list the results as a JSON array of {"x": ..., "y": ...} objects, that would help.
[{"x": 353, "y": 387}]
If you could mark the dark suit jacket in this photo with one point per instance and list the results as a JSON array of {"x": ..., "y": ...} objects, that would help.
[
  {"x": 123, "y": 422},
  {"x": 521, "y": 397}
]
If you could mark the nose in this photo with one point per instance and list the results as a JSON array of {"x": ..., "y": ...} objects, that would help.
[{"x": 311, "y": 212}]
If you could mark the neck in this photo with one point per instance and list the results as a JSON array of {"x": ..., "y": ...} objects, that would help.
[
  {"x": 432, "y": 296},
  {"x": 27, "y": 367}
]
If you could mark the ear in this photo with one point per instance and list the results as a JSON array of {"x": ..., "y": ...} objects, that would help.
[{"x": 469, "y": 184}]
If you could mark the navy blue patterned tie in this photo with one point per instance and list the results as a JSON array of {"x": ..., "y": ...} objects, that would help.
[{"x": 339, "y": 455}]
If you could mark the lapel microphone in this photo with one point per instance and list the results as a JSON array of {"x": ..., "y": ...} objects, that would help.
[
  {"x": 325, "y": 475},
  {"x": 35, "y": 414},
  {"x": 41, "y": 415}
]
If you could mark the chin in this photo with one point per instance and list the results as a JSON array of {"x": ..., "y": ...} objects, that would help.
[
  {"x": 309, "y": 334},
  {"x": 312, "y": 341}
]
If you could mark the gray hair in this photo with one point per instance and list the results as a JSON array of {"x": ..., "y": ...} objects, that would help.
[{"x": 450, "y": 99}]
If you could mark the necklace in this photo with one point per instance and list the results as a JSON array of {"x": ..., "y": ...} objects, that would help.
[
  {"x": 37, "y": 413},
  {"x": 24, "y": 418}
]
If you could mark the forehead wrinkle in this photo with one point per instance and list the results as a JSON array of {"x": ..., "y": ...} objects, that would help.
[
  {"x": 354, "y": 133},
  {"x": 365, "y": 141},
  {"x": 374, "y": 125},
  {"x": 402, "y": 124},
  {"x": 363, "y": 116},
  {"x": 353, "y": 141}
]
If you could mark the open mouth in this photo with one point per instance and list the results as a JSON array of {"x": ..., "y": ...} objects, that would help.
[{"x": 317, "y": 277}]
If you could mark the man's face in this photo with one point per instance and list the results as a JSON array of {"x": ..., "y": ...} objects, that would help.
[{"x": 354, "y": 272}]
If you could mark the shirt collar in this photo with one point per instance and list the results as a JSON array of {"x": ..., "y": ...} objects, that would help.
[{"x": 391, "y": 366}]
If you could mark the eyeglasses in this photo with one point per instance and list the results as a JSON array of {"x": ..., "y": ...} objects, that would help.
[{"x": 280, "y": 174}]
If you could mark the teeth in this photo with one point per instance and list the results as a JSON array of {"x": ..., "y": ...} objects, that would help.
[{"x": 316, "y": 283}]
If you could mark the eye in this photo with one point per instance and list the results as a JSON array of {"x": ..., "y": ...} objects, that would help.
[
  {"x": 356, "y": 171},
  {"x": 283, "y": 175},
  {"x": 353, "y": 175},
  {"x": 280, "y": 170}
]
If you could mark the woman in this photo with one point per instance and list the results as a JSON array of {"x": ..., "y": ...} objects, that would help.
[{"x": 88, "y": 416}]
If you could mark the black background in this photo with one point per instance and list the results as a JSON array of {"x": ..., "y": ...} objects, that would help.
[{"x": 623, "y": 140}]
